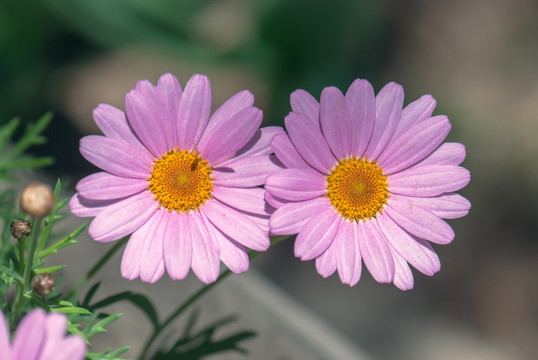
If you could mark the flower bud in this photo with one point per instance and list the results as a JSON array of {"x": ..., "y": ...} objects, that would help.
[
  {"x": 43, "y": 284},
  {"x": 37, "y": 199},
  {"x": 20, "y": 228}
]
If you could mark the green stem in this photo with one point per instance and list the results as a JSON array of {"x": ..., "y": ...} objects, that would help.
[
  {"x": 159, "y": 329},
  {"x": 30, "y": 262},
  {"x": 20, "y": 299},
  {"x": 73, "y": 295},
  {"x": 21, "y": 253}
]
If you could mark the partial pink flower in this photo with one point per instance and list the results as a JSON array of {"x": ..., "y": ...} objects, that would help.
[
  {"x": 40, "y": 336},
  {"x": 183, "y": 182},
  {"x": 365, "y": 181}
]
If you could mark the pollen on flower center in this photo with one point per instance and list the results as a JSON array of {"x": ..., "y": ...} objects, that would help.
[
  {"x": 357, "y": 188},
  {"x": 181, "y": 180}
]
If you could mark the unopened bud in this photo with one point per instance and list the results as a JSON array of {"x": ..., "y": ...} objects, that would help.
[
  {"x": 37, "y": 199},
  {"x": 20, "y": 228},
  {"x": 43, "y": 284}
]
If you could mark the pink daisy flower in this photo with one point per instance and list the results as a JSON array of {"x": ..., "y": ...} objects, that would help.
[
  {"x": 40, "y": 336},
  {"x": 367, "y": 181},
  {"x": 182, "y": 182}
]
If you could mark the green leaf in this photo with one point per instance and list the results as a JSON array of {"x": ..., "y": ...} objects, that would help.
[
  {"x": 107, "y": 321},
  {"x": 31, "y": 136},
  {"x": 73, "y": 329},
  {"x": 49, "y": 270},
  {"x": 9, "y": 276},
  {"x": 139, "y": 300},
  {"x": 90, "y": 294},
  {"x": 50, "y": 220},
  {"x": 6, "y": 132},
  {"x": 71, "y": 310},
  {"x": 66, "y": 241},
  {"x": 107, "y": 355},
  {"x": 91, "y": 329},
  {"x": 57, "y": 190},
  {"x": 39, "y": 301},
  {"x": 119, "y": 351},
  {"x": 29, "y": 162},
  {"x": 203, "y": 343}
]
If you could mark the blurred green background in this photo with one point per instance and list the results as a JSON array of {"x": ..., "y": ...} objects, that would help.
[{"x": 477, "y": 58}]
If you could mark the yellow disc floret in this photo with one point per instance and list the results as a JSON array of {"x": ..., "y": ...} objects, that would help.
[
  {"x": 181, "y": 180},
  {"x": 357, "y": 188}
]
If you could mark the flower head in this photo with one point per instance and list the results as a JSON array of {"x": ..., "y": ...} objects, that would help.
[
  {"x": 20, "y": 228},
  {"x": 40, "y": 336},
  {"x": 367, "y": 181},
  {"x": 185, "y": 184},
  {"x": 37, "y": 199}
]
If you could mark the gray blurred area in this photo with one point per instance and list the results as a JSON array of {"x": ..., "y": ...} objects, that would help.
[{"x": 477, "y": 58}]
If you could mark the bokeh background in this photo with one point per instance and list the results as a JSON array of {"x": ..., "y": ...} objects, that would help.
[{"x": 478, "y": 58}]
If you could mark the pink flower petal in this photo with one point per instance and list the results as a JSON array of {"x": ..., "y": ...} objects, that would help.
[
  {"x": 141, "y": 257},
  {"x": 274, "y": 201},
  {"x": 55, "y": 326},
  {"x": 446, "y": 154},
  {"x": 82, "y": 207},
  {"x": 245, "y": 171},
  {"x": 429, "y": 180},
  {"x": 41, "y": 336},
  {"x": 193, "y": 113},
  {"x": 71, "y": 348},
  {"x": 348, "y": 254},
  {"x": 304, "y": 103},
  {"x": 335, "y": 123},
  {"x": 403, "y": 278},
  {"x": 30, "y": 336},
  {"x": 446, "y": 206},
  {"x": 158, "y": 272},
  {"x": 415, "y": 113},
  {"x": 132, "y": 255},
  {"x": 260, "y": 143},
  {"x": 205, "y": 259},
  {"x": 326, "y": 262},
  {"x": 177, "y": 245},
  {"x": 421, "y": 257},
  {"x": 114, "y": 124},
  {"x": 232, "y": 254},
  {"x": 230, "y": 136},
  {"x": 414, "y": 145},
  {"x": 4, "y": 337},
  {"x": 152, "y": 117},
  {"x": 375, "y": 251},
  {"x": 360, "y": 100},
  {"x": 116, "y": 157},
  {"x": 286, "y": 152},
  {"x": 419, "y": 222},
  {"x": 171, "y": 93},
  {"x": 250, "y": 200},
  {"x": 310, "y": 143},
  {"x": 261, "y": 220},
  {"x": 57, "y": 346},
  {"x": 236, "y": 225},
  {"x": 104, "y": 186},
  {"x": 123, "y": 218},
  {"x": 388, "y": 103},
  {"x": 226, "y": 111},
  {"x": 317, "y": 234},
  {"x": 151, "y": 268},
  {"x": 296, "y": 184},
  {"x": 291, "y": 217}
]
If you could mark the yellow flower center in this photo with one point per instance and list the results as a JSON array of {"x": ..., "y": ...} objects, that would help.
[
  {"x": 181, "y": 180},
  {"x": 357, "y": 188}
]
